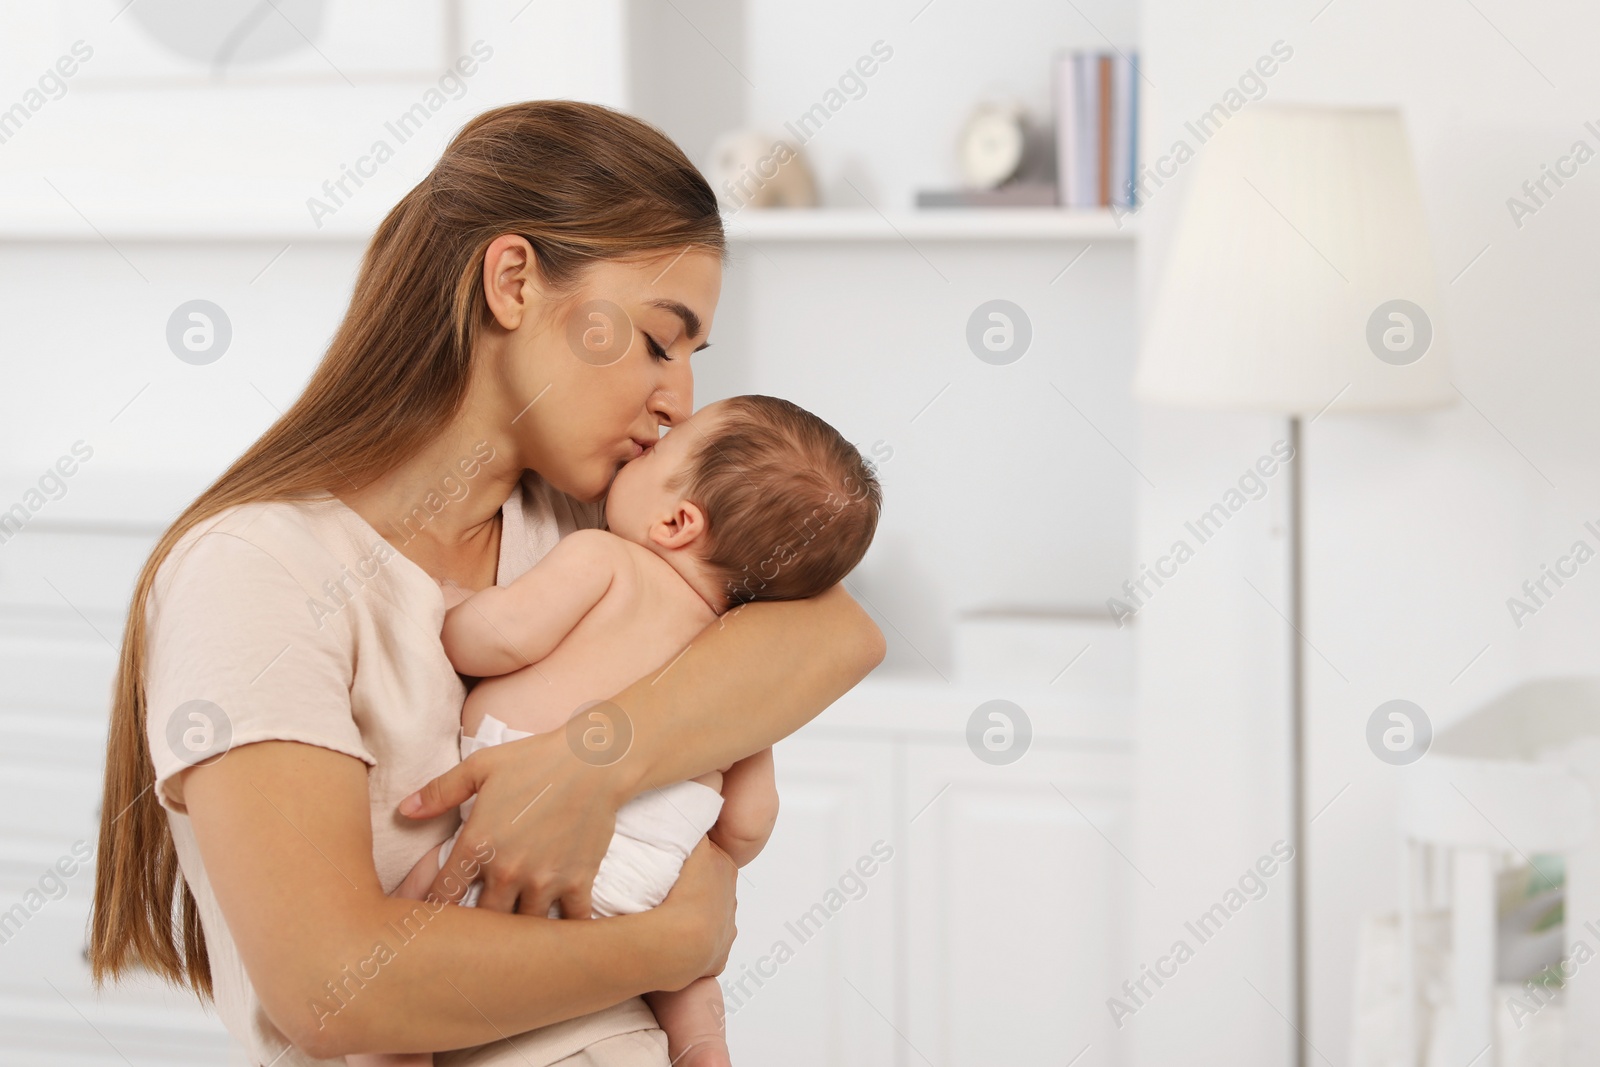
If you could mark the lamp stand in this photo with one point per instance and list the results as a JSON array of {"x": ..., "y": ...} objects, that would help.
[{"x": 1297, "y": 740}]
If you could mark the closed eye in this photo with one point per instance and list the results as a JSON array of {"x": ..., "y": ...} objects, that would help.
[{"x": 656, "y": 350}]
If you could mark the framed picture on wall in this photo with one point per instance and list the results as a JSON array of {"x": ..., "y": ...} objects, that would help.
[
  {"x": 266, "y": 119},
  {"x": 157, "y": 43}
]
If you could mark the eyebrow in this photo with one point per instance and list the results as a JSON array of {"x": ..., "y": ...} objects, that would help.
[{"x": 691, "y": 321}]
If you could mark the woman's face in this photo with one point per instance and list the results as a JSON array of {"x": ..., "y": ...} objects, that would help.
[{"x": 589, "y": 382}]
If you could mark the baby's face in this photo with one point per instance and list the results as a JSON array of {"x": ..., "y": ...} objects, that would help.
[{"x": 640, "y": 495}]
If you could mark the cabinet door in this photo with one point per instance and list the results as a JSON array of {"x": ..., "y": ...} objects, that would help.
[
  {"x": 810, "y": 981},
  {"x": 1015, "y": 888}
]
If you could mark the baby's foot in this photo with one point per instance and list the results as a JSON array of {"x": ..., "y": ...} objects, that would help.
[{"x": 704, "y": 1052}]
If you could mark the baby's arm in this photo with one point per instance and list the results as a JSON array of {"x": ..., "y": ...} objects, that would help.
[
  {"x": 749, "y": 808},
  {"x": 498, "y": 630}
]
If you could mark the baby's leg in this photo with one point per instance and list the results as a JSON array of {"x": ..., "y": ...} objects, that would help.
[
  {"x": 692, "y": 1018},
  {"x": 413, "y": 887}
]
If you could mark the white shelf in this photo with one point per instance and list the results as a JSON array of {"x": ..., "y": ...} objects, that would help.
[
  {"x": 933, "y": 224},
  {"x": 281, "y": 221}
]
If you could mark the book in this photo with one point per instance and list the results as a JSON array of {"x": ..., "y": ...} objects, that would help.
[
  {"x": 1086, "y": 195},
  {"x": 1066, "y": 109},
  {"x": 1103, "y": 120},
  {"x": 1096, "y": 100},
  {"x": 1124, "y": 132}
]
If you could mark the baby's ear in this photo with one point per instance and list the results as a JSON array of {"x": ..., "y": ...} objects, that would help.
[{"x": 453, "y": 593}]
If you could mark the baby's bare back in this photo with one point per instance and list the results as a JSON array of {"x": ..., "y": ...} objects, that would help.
[{"x": 647, "y": 615}]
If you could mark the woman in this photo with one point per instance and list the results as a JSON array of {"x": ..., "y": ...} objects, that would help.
[{"x": 282, "y": 690}]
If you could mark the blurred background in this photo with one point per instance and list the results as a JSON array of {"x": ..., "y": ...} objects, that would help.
[{"x": 1319, "y": 788}]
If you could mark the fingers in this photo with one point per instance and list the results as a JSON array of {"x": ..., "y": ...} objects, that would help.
[
  {"x": 499, "y": 895},
  {"x": 540, "y": 899},
  {"x": 449, "y": 884},
  {"x": 448, "y": 790},
  {"x": 578, "y": 903}
]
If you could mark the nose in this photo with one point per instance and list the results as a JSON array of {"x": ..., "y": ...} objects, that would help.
[{"x": 673, "y": 401}]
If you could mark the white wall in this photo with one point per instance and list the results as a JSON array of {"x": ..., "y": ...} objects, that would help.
[
  {"x": 155, "y": 157},
  {"x": 1418, "y": 528},
  {"x": 998, "y": 493}
]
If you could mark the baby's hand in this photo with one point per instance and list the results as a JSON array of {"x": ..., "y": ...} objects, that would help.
[{"x": 453, "y": 593}]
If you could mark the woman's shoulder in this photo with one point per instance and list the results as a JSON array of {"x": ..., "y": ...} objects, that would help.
[{"x": 311, "y": 540}]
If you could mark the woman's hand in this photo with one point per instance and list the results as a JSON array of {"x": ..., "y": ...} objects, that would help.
[
  {"x": 701, "y": 905},
  {"x": 543, "y": 816}
]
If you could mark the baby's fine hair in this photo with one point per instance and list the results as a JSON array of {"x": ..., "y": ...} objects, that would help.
[{"x": 790, "y": 505}]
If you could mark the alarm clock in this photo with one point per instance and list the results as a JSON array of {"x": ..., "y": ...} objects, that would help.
[{"x": 992, "y": 145}]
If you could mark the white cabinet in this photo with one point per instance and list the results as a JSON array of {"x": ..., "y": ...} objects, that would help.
[
  {"x": 993, "y": 932},
  {"x": 1014, "y": 900},
  {"x": 812, "y": 975}
]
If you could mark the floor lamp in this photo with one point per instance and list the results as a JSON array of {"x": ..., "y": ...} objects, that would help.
[{"x": 1298, "y": 281}]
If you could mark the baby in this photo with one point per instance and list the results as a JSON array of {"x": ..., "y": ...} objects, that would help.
[{"x": 752, "y": 498}]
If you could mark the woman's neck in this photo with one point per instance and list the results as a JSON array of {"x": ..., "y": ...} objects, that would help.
[{"x": 440, "y": 508}]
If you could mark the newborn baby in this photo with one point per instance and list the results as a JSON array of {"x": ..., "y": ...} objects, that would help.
[{"x": 752, "y": 498}]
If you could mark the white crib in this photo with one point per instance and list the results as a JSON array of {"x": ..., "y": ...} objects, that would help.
[{"x": 1519, "y": 776}]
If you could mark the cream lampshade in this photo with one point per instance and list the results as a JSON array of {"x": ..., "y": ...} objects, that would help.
[
  {"x": 1302, "y": 223},
  {"x": 1299, "y": 281}
]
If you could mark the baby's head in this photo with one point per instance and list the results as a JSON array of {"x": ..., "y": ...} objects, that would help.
[{"x": 768, "y": 501}]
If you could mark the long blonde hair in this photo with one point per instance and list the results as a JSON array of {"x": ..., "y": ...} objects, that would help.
[{"x": 581, "y": 183}]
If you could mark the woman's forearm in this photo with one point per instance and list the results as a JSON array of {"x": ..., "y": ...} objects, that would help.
[
  {"x": 285, "y": 833},
  {"x": 750, "y": 679},
  {"x": 448, "y": 987}
]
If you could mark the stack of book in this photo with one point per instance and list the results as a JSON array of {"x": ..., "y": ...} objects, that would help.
[{"x": 1096, "y": 105}]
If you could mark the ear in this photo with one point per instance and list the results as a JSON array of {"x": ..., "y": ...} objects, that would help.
[
  {"x": 510, "y": 279},
  {"x": 680, "y": 529}
]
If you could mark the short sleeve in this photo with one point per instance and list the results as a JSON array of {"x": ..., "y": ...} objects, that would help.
[{"x": 239, "y": 650}]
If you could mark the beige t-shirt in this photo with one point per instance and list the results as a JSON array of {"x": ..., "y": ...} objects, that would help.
[{"x": 296, "y": 621}]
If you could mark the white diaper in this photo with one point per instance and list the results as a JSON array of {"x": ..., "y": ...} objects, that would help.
[{"x": 655, "y": 833}]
